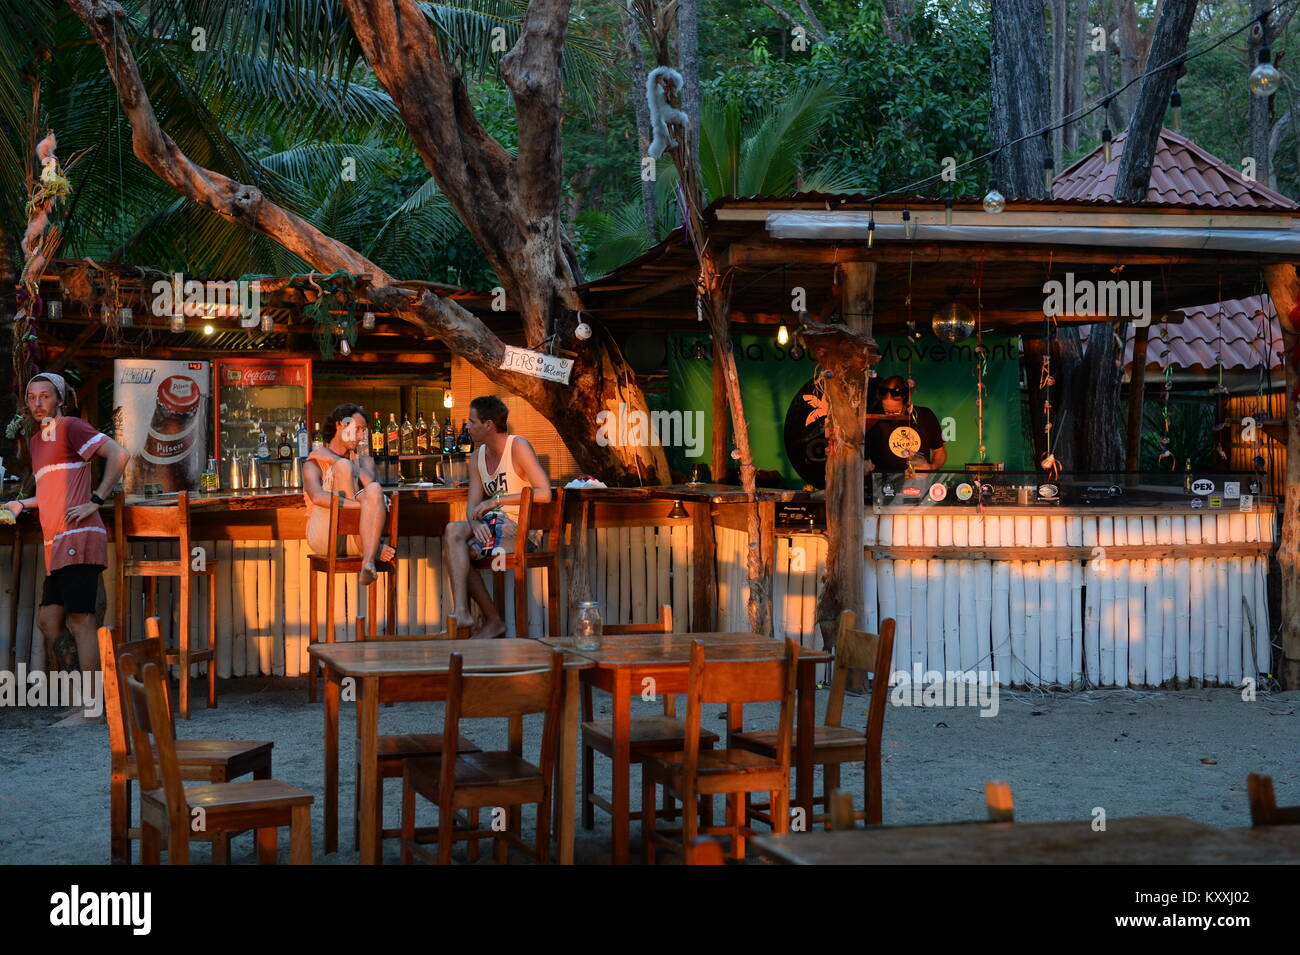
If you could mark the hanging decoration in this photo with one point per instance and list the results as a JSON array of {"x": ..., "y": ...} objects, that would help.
[
  {"x": 1220, "y": 389},
  {"x": 1045, "y": 382},
  {"x": 994, "y": 201},
  {"x": 981, "y": 363},
  {"x": 333, "y": 312},
  {"x": 1264, "y": 79},
  {"x": 1165, "y": 391}
]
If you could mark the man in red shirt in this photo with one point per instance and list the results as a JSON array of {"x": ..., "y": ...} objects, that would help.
[{"x": 76, "y": 541}]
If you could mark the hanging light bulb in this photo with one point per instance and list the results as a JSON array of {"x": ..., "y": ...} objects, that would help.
[
  {"x": 177, "y": 322},
  {"x": 947, "y": 211},
  {"x": 1176, "y": 104},
  {"x": 994, "y": 201},
  {"x": 105, "y": 314},
  {"x": 871, "y": 229},
  {"x": 344, "y": 348},
  {"x": 1105, "y": 142},
  {"x": 208, "y": 329},
  {"x": 268, "y": 324},
  {"x": 1264, "y": 78},
  {"x": 447, "y": 399},
  {"x": 782, "y": 335},
  {"x": 54, "y": 310},
  {"x": 368, "y": 321},
  {"x": 1049, "y": 164},
  {"x": 909, "y": 224},
  {"x": 582, "y": 332}
]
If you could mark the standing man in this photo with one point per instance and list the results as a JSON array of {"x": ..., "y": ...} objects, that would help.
[
  {"x": 76, "y": 541},
  {"x": 504, "y": 465}
]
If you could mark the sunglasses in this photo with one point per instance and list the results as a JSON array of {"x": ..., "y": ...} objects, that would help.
[{"x": 894, "y": 392}]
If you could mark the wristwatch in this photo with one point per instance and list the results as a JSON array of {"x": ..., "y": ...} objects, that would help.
[{"x": 96, "y": 498}]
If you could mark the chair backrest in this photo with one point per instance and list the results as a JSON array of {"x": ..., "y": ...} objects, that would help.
[
  {"x": 111, "y": 650},
  {"x": 152, "y": 522},
  {"x": 1264, "y": 810},
  {"x": 739, "y": 682},
  {"x": 663, "y": 625},
  {"x": 150, "y": 720},
  {"x": 548, "y": 517},
  {"x": 1001, "y": 805},
  {"x": 859, "y": 650},
  {"x": 513, "y": 695}
]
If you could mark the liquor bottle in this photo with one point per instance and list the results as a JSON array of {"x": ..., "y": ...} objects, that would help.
[
  {"x": 465, "y": 442},
  {"x": 377, "y": 442},
  {"x": 284, "y": 446},
  {"x": 408, "y": 435},
  {"x": 393, "y": 436},
  {"x": 208, "y": 479},
  {"x": 421, "y": 436},
  {"x": 263, "y": 449},
  {"x": 449, "y": 437},
  {"x": 304, "y": 447}
]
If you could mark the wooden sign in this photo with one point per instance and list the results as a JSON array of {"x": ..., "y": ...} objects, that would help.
[{"x": 537, "y": 364}]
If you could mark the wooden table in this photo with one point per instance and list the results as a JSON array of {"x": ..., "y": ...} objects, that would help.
[
  {"x": 621, "y": 667},
  {"x": 416, "y": 670},
  {"x": 1138, "y": 840}
]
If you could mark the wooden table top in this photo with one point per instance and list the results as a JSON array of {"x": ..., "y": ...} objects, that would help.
[
  {"x": 280, "y": 497},
  {"x": 379, "y": 658},
  {"x": 649, "y": 648},
  {"x": 1138, "y": 840}
]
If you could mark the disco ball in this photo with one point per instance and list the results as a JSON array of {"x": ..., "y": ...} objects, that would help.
[{"x": 953, "y": 322}]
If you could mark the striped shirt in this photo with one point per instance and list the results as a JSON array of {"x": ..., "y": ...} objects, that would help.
[{"x": 61, "y": 455}]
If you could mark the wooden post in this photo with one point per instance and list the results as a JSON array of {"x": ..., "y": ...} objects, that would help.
[
  {"x": 718, "y": 457},
  {"x": 703, "y": 568},
  {"x": 846, "y": 393},
  {"x": 1136, "y": 394},
  {"x": 1284, "y": 289}
]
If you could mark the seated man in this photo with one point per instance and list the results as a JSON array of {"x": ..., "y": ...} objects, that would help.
[
  {"x": 506, "y": 464},
  {"x": 341, "y": 466}
]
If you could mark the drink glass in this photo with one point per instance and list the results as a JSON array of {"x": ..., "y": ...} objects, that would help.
[{"x": 589, "y": 627}]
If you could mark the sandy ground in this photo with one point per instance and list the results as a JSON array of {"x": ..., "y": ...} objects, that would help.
[{"x": 1129, "y": 752}]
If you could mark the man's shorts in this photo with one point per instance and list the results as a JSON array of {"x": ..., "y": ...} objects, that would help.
[
  {"x": 504, "y": 531},
  {"x": 75, "y": 588}
]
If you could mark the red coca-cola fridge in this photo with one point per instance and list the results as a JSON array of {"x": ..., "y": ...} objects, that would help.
[
  {"x": 260, "y": 406},
  {"x": 161, "y": 416}
]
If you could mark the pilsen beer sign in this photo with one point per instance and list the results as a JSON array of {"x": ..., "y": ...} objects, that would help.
[
  {"x": 537, "y": 364},
  {"x": 254, "y": 375}
]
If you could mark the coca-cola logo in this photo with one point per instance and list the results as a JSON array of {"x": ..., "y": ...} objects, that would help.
[{"x": 263, "y": 376}]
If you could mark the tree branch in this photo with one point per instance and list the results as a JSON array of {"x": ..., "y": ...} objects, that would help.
[{"x": 815, "y": 33}]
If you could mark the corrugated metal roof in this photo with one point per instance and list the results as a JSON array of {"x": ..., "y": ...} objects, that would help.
[
  {"x": 1182, "y": 174},
  {"x": 1243, "y": 332}
]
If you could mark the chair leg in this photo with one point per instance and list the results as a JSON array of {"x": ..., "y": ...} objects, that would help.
[
  {"x": 648, "y": 815},
  {"x": 300, "y": 835},
  {"x": 446, "y": 822},
  {"x": 150, "y": 844},
  {"x": 390, "y": 607},
  {"x": 408, "y": 822},
  {"x": 553, "y": 600},
  {"x": 183, "y": 645},
  {"x": 781, "y": 810},
  {"x": 473, "y": 843},
  {"x": 119, "y": 819},
  {"x": 588, "y": 787},
  {"x": 268, "y": 845},
  {"x": 830, "y": 783},
  {"x": 313, "y": 621},
  {"x": 521, "y": 603},
  {"x": 212, "y": 642},
  {"x": 736, "y": 810},
  {"x": 221, "y": 849}
]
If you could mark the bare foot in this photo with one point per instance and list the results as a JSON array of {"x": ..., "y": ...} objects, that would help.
[
  {"x": 367, "y": 576},
  {"x": 491, "y": 630}
]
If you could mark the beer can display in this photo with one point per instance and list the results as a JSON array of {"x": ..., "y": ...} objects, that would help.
[{"x": 162, "y": 420}]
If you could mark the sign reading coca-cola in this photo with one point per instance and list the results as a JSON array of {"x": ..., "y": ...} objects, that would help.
[{"x": 262, "y": 375}]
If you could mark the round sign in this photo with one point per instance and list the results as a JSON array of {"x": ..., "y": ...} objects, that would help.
[
  {"x": 1196, "y": 503},
  {"x": 964, "y": 491},
  {"x": 938, "y": 492},
  {"x": 904, "y": 442},
  {"x": 1202, "y": 486}
]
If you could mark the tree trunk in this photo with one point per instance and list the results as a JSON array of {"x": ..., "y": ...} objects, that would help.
[
  {"x": 1112, "y": 115},
  {"x": 509, "y": 204},
  {"x": 1059, "y": 78},
  {"x": 1075, "y": 72},
  {"x": 847, "y": 367},
  {"x": 1019, "y": 96},
  {"x": 1168, "y": 45},
  {"x": 1259, "y": 109},
  {"x": 1099, "y": 443},
  {"x": 688, "y": 48},
  {"x": 635, "y": 50},
  {"x": 1136, "y": 397},
  {"x": 1284, "y": 289}
]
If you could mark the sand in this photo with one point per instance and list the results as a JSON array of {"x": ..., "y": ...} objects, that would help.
[{"x": 1129, "y": 752}]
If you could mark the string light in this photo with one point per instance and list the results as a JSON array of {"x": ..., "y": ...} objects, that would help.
[
  {"x": 368, "y": 321},
  {"x": 447, "y": 399},
  {"x": 1049, "y": 164},
  {"x": 871, "y": 227},
  {"x": 782, "y": 335},
  {"x": 994, "y": 201},
  {"x": 1264, "y": 78},
  {"x": 344, "y": 348},
  {"x": 1176, "y": 104},
  {"x": 1105, "y": 141},
  {"x": 268, "y": 324},
  {"x": 909, "y": 224},
  {"x": 208, "y": 329}
]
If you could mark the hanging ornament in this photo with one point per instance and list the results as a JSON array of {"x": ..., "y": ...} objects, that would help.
[
  {"x": 1105, "y": 142},
  {"x": 582, "y": 332},
  {"x": 1264, "y": 78},
  {"x": 176, "y": 323},
  {"x": 54, "y": 310},
  {"x": 953, "y": 322},
  {"x": 909, "y": 224},
  {"x": 268, "y": 324},
  {"x": 994, "y": 201},
  {"x": 105, "y": 315},
  {"x": 344, "y": 348},
  {"x": 368, "y": 321}
]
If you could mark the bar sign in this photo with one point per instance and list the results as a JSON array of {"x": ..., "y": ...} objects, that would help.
[{"x": 537, "y": 364}]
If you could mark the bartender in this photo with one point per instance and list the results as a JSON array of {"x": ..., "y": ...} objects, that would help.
[{"x": 897, "y": 446}]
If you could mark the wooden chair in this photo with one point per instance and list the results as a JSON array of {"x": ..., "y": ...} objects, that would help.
[
  {"x": 647, "y": 733},
  {"x": 493, "y": 780},
  {"x": 345, "y": 522},
  {"x": 1264, "y": 810},
  {"x": 998, "y": 799},
  {"x": 210, "y": 760},
  {"x": 732, "y": 772},
  {"x": 549, "y": 518},
  {"x": 705, "y": 851},
  {"x": 833, "y": 743},
  {"x": 168, "y": 522},
  {"x": 171, "y": 808},
  {"x": 393, "y": 750}
]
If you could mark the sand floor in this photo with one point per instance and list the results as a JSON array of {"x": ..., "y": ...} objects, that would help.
[{"x": 1129, "y": 752}]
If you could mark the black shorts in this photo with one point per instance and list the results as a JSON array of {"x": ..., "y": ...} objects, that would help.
[{"x": 75, "y": 588}]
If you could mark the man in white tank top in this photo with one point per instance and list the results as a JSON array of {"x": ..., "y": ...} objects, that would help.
[{"x": 501, "y": 466}]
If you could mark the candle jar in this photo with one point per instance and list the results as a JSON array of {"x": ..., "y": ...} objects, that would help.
[{"x": 589, "y": 627}]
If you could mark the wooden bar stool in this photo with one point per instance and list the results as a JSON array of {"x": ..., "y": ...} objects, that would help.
[
  {"x": 1264, "y": 810},
  {"x": 547, "y": 517},
  {"x": 344, "y": 523},
  {"x": 167, "y": 522}
]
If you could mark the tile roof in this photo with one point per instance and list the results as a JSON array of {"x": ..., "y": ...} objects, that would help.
[
  {"x": 1182, "y": 174},
  {"x": 1233, "y": 329}
]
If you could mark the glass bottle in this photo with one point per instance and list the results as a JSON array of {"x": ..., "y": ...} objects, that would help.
[
  {"x": 408, "y": 435},
  {"x": 208, "y": 479},
  {"x": 263, "y": 449},
  {"x": 303, "y": 444},
  {"x": 377, "y": 441},
  {"x": 590, "y": 627},
  {"x": 393, "y": 436},
  {"x": 421, "y": 436},
  {"x": 449, "y": 437},
  {"x": 465, "y": 442},
  {"x": 284, "y": 448}
]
